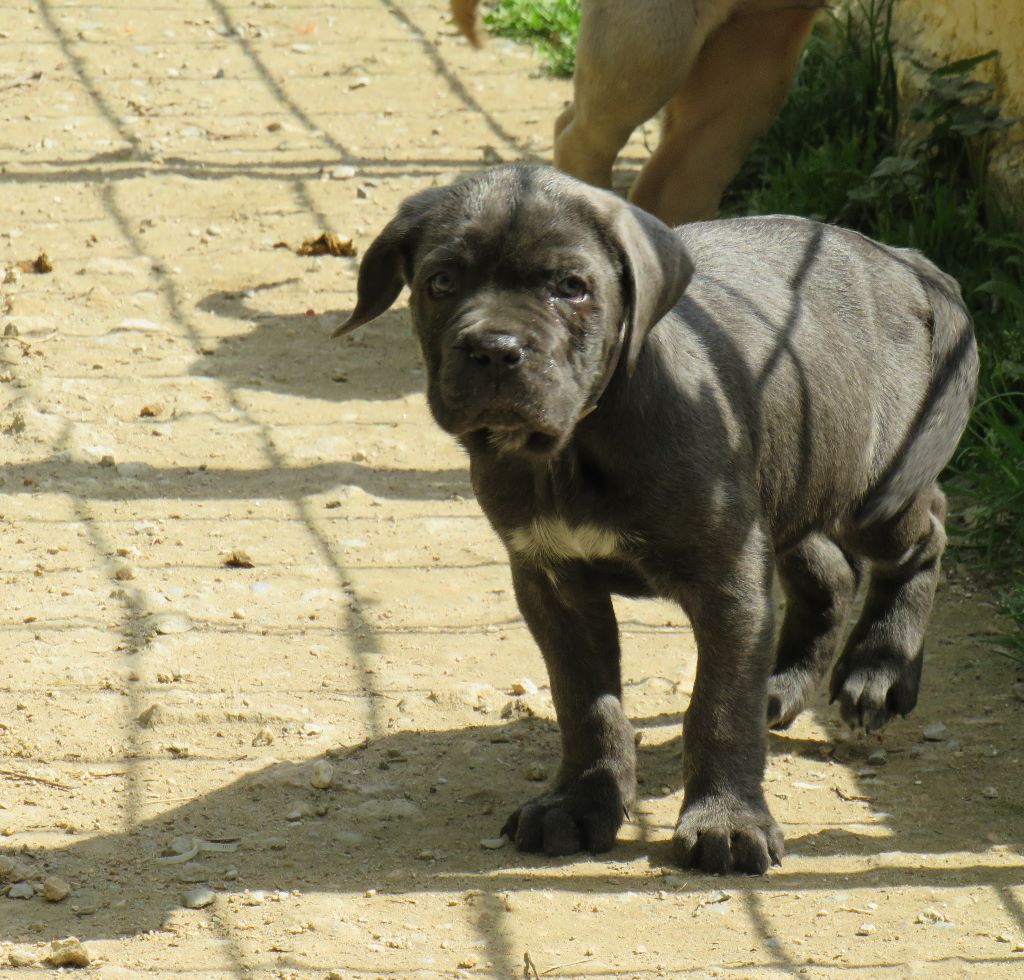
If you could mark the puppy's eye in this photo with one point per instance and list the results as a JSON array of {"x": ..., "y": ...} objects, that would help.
[
  {"x": 571, "y": 287},
  {"x": 441, "y": 284}
]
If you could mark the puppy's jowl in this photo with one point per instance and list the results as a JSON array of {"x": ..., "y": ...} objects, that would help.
[{"x": 686, "y": 414}]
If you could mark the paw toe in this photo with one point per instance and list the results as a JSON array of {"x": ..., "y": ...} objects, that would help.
[
  {"x": 561, "y": 833},
  {"x": 744, "y": 846}
]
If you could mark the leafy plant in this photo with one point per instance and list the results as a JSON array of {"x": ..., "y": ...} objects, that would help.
[{"x": 550, "y": 25}]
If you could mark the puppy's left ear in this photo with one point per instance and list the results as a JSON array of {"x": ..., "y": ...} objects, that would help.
[
  {"x": 657, "y": 271},
  {"x": 382, "y": 271}
]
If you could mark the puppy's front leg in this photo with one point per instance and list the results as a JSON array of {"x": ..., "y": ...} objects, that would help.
[
  {"x": 574, "y": 624},
  {"x": 725, "y": 825}
]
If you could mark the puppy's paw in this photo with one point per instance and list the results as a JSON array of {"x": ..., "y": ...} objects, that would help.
[
  {"x": 788, "y": 692},
  {"x": 723, "y": 835},
  {"x": 873, "y": 685},
  {"x": 583, "y": 815}
]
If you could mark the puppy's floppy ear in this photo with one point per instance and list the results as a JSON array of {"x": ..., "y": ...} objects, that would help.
[
  {"x": 657, "y": 271},
  {"x": 381, "y": 273}
]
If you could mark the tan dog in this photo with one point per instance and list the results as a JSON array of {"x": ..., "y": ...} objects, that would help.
[{"x": 720, "y": 70}]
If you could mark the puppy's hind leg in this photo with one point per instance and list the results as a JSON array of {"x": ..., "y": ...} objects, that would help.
[
  {"x": 820, "y": 581},
  {"x": 879, "y": 672}
]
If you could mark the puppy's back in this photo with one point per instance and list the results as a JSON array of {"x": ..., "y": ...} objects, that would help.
[{"x": 866, "y": 339}]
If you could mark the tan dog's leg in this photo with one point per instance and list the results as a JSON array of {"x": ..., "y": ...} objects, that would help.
[
  {"x": 736, "y": 89},
  {"x": 630, "y": 59}
]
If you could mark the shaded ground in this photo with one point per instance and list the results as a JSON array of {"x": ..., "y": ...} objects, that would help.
[{"x": 170, "y": 396}]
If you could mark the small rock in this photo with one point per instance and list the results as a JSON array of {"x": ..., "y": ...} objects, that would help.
[
  {"x": 169, "y": 623},
  {"x": 21, "y": 890},
  {"x": 343, "y": 173},
  {"x": 55, "y": 889},
  {"x": 536, "y": 772},
  {"x": 198, "y": 898},
  {"x": 360, "y": 81},
  {"x": 151, "y": 717},
  {"x": 468, "y": 962},
  {"x": 930, "y": 917},
  {"x": 239, "y": 559},
  {"x": 322, "y": 775},
  {"x": 67, "y": 952},
  {"x": 124, "y": 573},
  {"x": 107, "y": 460},
  {"x": 493, "y": 843},
  {"x": 866, "y": 929},
  {"x": 990, "y": 793},
  {"x": 193, "y": 875},
  {"x": 263, "y": 737},
  {"x": 11, "y": 870},
  {"x": 425, "y": 856},
  {"x": 878, "y": 758},
  {"x": 11, "y": 330},
  {"x": 22, "y": 958},
  {"x": 150, "y": 411},
  {"x": 523, "y": 685},
  {"x": 935, "y": 732},
  {"x": 299, "y": 811}
]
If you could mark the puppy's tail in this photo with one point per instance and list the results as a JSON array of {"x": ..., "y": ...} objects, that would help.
[
  {"x": 466, "y": 20},
  {"x": 943, "y": 415}
]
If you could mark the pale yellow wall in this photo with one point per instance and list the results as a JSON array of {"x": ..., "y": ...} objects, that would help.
[{"x": 939, "y": 31}]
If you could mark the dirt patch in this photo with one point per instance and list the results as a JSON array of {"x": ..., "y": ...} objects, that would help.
[{"x": 260, "y": 648}]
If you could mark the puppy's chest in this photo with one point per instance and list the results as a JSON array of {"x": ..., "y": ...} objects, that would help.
[{"x": 550, "y": 541}]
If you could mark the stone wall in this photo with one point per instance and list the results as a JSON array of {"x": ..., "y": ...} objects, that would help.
[{"x": 939, "y": 31}]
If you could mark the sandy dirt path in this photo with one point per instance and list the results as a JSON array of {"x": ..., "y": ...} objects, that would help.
[{"x": 234, "y": 551}]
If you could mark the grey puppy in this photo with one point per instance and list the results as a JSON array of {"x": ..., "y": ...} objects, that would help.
[{"x": 788, "y": 413}]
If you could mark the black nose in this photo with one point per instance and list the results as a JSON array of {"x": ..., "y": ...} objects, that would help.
[{"x": 500, "y": 349}]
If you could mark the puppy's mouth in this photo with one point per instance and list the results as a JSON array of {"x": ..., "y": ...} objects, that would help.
[
  {"x": 511, "y": 433},
  {"x": 512, "y": 441}
]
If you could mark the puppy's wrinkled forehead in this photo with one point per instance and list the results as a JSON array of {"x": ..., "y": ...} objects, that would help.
[{"x": 515, "y": 219}]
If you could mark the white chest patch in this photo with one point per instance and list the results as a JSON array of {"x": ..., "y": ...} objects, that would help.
[{"x": 548, "y": 540}]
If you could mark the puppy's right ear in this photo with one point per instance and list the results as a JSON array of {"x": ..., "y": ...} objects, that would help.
[{"x": 382, "y": 273}]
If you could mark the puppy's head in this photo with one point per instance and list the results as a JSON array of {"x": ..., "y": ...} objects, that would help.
[{"x": 526, "y": 287}]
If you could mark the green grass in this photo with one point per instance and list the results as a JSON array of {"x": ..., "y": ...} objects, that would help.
[
  {"x": 845, "y": 150},
  {"x": 550, "y": 25}
]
